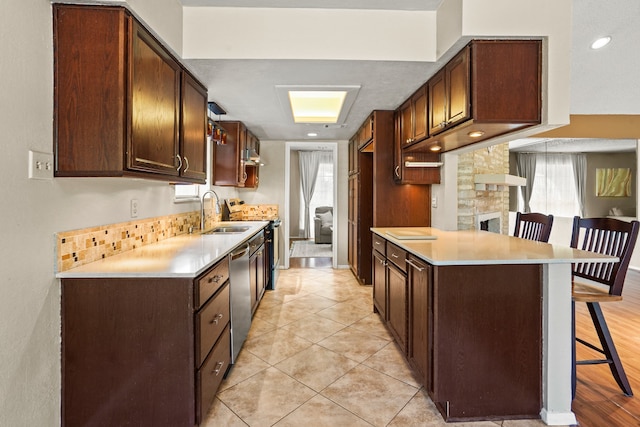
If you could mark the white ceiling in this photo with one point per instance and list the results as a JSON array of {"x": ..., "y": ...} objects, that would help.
[{"x": 602, "y": 82}]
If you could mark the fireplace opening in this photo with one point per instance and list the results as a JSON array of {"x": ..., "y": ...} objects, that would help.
[{"x": 491, "y": 222}]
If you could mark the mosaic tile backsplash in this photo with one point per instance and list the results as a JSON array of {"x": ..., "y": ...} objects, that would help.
[{"x": 78, "y": 247}]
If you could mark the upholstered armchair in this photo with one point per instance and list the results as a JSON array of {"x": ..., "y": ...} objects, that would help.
[{"x": 323, "y": 224}]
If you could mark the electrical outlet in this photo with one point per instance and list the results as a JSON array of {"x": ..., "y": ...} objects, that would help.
[
  {"x": 134, "y": 208},
  {"x": 40, "y": 165},
  {"x": 434, "y": 202}
]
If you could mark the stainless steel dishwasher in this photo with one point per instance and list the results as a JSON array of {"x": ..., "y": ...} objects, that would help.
[{"x": 240, "y": 295}]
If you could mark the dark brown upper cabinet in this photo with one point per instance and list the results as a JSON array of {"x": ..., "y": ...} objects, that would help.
[
  {"x": 490, "y": 88},
  {"x": 413, "y": 118},
  {"x": 123, "y": 104},
  {"x": 230, "y": 167},
  {"x": 449, "y": 94}
]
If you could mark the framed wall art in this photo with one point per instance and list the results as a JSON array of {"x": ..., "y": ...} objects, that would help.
[{"x": 613, "y": 182}]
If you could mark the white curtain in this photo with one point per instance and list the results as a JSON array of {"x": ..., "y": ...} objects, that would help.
[
  {"x": 526, "y": 167},
  {"x": 555, "y": 189},
  {"x": 309, "y": 163},
  {"x": 579, "y": 162}
]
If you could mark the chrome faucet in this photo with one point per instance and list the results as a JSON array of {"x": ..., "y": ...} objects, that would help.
[{"x": 202, "y": 207}]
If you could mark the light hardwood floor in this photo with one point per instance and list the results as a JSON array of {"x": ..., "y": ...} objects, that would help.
[
  {"x": 599, "y": 401},
  {"x": 318, "y": 356}
]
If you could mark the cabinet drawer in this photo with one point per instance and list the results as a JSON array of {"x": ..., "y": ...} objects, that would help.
[
  {"x": 213, "y": 280},
  {"x": 209, "y": 377},
  {"x": 397, "y": 256},
  {"x": 379, "y": 244},
  {"x": 210, "y": 322}
]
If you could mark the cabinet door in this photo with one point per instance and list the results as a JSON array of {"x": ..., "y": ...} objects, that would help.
[
  {"x": 457, "y": 83},
  {"x": 193, "y": 129},
  {"x": 437, "y": 103},
  {"x": 406, "y": 123},
  {"x": 229, "y": 167},
  {"x": 397, "y": 304},
  {"x": 420, "y": 314},
  {"x": 155, "y": 106},
  {"x": 419, "y": 105},
  {"x": 379, "y": 281}
]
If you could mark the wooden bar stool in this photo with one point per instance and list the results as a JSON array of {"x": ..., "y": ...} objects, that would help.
[
  {"x": 533, "y": 226},
  {"x": 611, "y": 237}
]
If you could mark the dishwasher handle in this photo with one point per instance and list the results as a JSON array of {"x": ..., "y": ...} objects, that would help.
[{"x": 239, "y": 253}]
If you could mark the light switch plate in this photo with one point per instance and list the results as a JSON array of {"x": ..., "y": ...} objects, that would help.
[
  {"x": 40, "y": 165},
  {"x": 434, "y": 202}
]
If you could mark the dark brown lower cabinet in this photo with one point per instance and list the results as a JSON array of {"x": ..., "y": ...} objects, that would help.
[
  {"x": 473, "y": 334},
  {"x": 420, "y": 317},
  {"x": 397, "y": 304},
  {"x": 143, "y": 351},
  {"x": 379, "y": 281}
]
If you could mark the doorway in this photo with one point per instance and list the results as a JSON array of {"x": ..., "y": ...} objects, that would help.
[{"x": 291, "y": 216}]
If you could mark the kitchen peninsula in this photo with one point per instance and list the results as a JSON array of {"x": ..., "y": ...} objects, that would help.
[
  {"x": 147, "y": 335},
  {"x": 483, "y": 319}
]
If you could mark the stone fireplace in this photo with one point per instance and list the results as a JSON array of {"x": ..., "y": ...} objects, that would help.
[{"x": 478, "y": 208}]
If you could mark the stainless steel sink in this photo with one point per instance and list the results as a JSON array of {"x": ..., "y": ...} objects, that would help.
[{"x": 228, "y": 229}]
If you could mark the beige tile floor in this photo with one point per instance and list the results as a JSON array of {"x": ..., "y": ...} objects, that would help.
[{"x": 318, "y": 356}]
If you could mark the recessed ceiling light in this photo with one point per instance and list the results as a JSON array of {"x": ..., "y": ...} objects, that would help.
[
  {"x": 312, "y": 134},
  {"x": 476, "y": 134},
  {"x": 601, "y": 42},
  {"x": 317, "y": 104}
]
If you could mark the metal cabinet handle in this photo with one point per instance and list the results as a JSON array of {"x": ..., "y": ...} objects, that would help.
[
  {"x": 394, "y": 255},
  {"x": 187, "y": 162},
  {"x": 218, "y": 368},
  {"x": 397, "y": 171},
  {"x": 216, "y": 319},
  {"x": 215, "y": 278},
  {"x": 414, "y": 266},
  {"x": 179, "y": 162}
]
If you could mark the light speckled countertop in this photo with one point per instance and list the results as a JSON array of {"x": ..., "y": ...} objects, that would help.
[
  {"x": 482, "y": 247},
  {"x": 187, "y": 255}
]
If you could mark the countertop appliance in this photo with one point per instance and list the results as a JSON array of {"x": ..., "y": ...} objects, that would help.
[
  {"x": 240, "y": 295},
  {"x": 271, "y": 236}
]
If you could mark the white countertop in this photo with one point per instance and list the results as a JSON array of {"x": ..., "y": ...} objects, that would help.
[
  {"x": 483, "y": 247},
  {"x": 186, "y": 255}
]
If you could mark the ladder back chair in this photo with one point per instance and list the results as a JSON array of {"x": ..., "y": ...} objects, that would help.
[
  {"x": 533, "y": 226},
  {"x": 611, "y": 237}
]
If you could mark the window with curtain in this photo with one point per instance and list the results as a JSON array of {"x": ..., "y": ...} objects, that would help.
[
  {"x": 554, "y": 189},
  {"x": 323, "y": 192}
]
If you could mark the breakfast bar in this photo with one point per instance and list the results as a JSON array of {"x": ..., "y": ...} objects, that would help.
[{"x": 484, "y": 319}]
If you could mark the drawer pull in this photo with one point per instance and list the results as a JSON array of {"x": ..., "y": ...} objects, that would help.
[
  {"x": 414, "y": 266},
  {"x": 215, "y": 278},
  {"x": 218, "y": 368},
  {"x": 216, "y": 318},
  {"x": 394, "y": 255}
]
